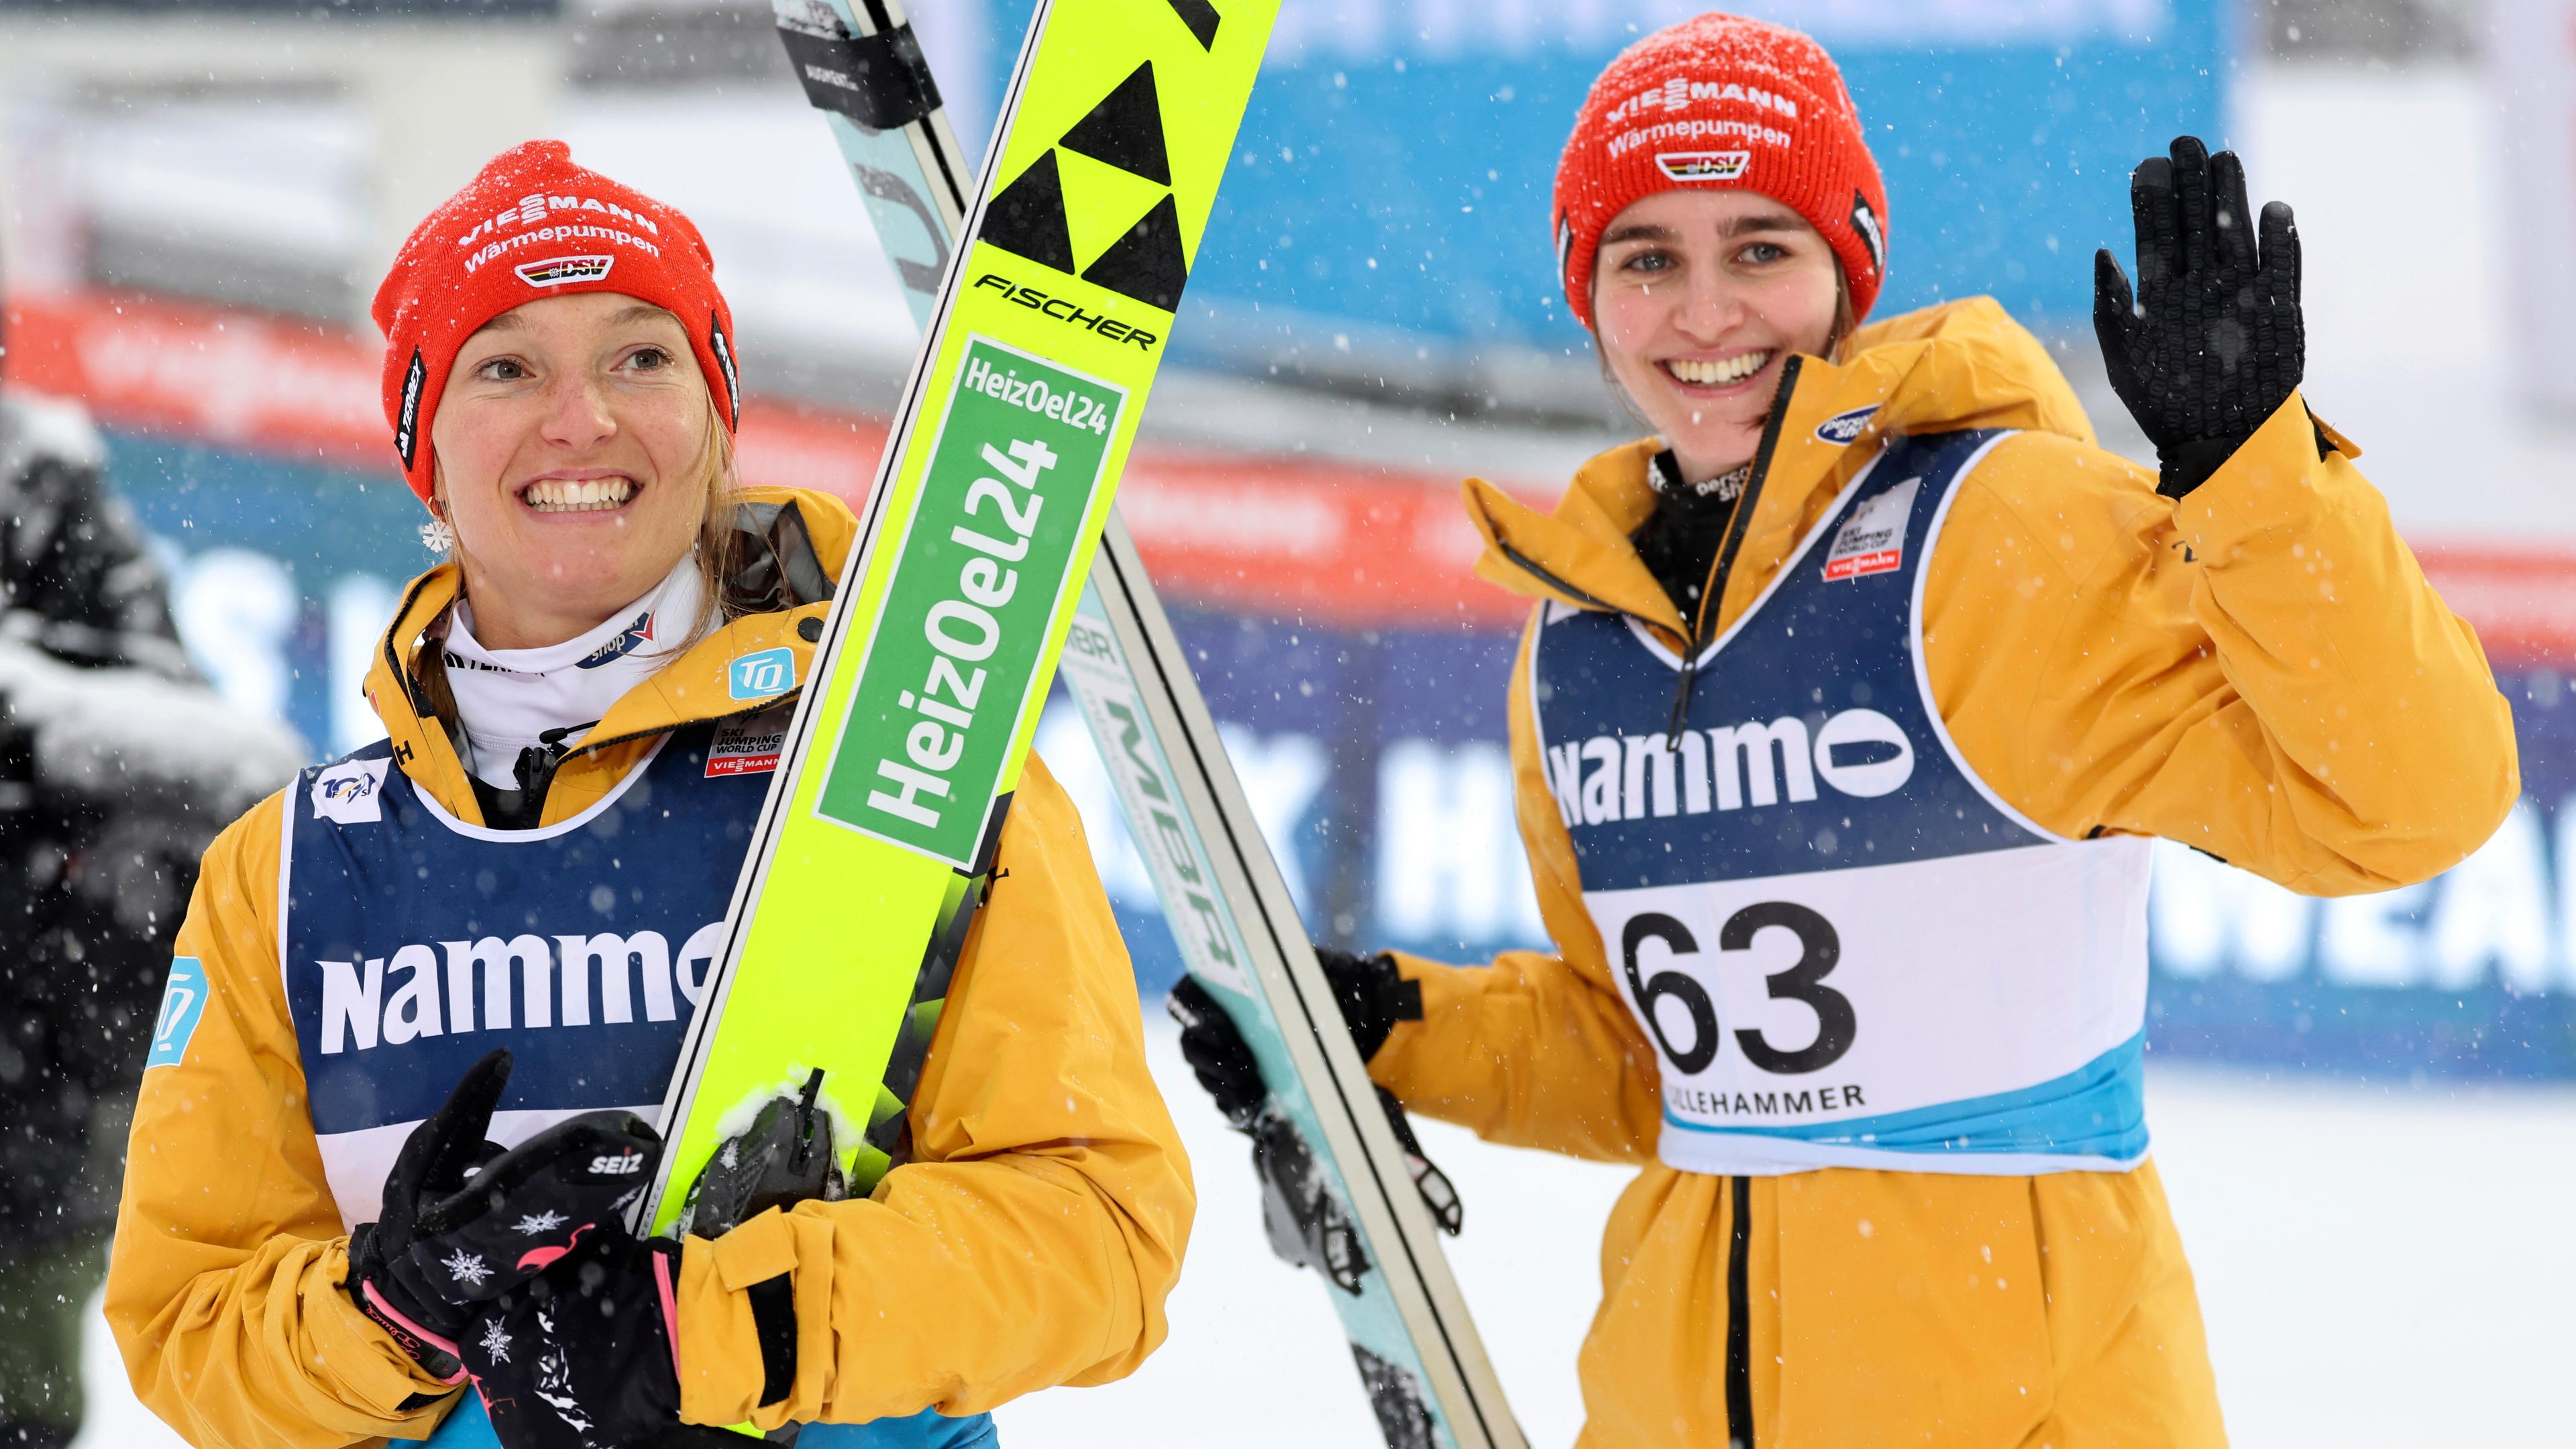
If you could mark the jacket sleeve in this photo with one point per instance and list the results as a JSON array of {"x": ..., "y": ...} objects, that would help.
[
  {"x": 1535, "y": 1050},
  {"x": 224, "y": 1287},
  {"x": 1035, "y": 1237},
  {"x": 2259, "y": 670}
]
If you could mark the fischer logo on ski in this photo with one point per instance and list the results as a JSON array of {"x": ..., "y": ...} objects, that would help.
[
  {"x": 1148, "y": 261},
  {"x": 1065, "y": 309}
]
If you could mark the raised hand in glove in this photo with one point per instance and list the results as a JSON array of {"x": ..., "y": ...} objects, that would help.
[
  {"x": 464, "y": 1222},
  {"x": 2212, "y": 343}
]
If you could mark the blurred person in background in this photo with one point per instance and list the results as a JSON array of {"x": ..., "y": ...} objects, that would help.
[
  {"x": 117, "y": 766},
  {"x": 349, "y": 1193},
  {"x": 1848, "y": 707}
]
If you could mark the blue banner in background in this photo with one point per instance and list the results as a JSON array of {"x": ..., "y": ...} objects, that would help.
[
  {"x": 1376, "y": 759},
  {"x": 1391, "y": 188}
]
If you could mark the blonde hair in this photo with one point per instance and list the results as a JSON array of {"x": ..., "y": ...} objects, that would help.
[{"x": 718, "y": 471}]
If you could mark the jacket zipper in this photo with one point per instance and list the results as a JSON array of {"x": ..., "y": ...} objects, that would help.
[
  {"x": 586, "y": 746},
  {"x": 1739, "y": 1328},
  {"x": 1739, "y": 1250},
  {"x": 1724, "y": 564},
  {"x": 1530, "y": 566}
]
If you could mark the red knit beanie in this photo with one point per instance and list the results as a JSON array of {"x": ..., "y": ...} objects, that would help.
[
  {"x": 1722, "y": 101},
  {"x": 531, "y": 225}
]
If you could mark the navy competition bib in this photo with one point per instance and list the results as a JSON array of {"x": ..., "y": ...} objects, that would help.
[{"x": 413, "y": 943}]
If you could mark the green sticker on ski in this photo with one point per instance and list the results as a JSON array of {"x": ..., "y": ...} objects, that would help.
[
  {"x": 979, "y": 575},
  {"x": 916, "y": 712}
]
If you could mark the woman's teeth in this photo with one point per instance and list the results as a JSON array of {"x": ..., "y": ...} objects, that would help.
[
  {"x": 584, "y": 495},
  {"x": 1717, "y": 374}
]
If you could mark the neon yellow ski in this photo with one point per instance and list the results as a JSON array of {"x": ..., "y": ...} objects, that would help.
[{"x": 910, "y": 735}]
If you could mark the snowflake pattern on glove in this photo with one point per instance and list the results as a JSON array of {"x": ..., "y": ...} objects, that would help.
[
  {"x": 554, "y": 1378},
  {"x": 467, "y": 1268},
  {"x": 544, "y": 1222},
  {"x": 496, "y": 1344}
]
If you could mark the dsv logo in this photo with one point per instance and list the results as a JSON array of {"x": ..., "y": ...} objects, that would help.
[{"x": 1610, "y": 778}]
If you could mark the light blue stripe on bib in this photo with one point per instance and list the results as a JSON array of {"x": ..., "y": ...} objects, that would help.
[{"x": 2097, "y": 1110}]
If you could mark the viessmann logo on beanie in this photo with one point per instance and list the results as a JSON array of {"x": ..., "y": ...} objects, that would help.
[
  {"x": 1722, "y": 101},
  {"x": 532, "y": 224}
]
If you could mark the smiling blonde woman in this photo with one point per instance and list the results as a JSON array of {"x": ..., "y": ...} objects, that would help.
[
  {"x": 1848, "y": 706},
  {"x": 537, "y": 861}
]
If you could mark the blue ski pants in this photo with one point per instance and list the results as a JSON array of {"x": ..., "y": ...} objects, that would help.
[{"x": 467, "y": 1428}]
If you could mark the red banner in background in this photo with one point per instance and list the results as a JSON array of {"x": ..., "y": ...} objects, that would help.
[
  {"x": 1336, "y": 542},
  {"x": 230, "y": 379},
  {"x": 2520, "y": 597}
]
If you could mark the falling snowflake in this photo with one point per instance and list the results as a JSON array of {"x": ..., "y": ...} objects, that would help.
[
  {"x": 544, "y": 1222},
  {"x": 466, "y": 1268},
  {"x": 496, "y": 1344}
]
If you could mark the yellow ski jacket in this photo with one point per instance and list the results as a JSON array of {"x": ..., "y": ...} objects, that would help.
[
  {"x": 1031, "y": 1242},
  {"x": 2259, "y": 670}
]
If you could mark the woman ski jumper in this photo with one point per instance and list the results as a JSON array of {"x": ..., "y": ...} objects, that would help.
[
  {"x": 1846, "y": 712},
  {"x": 539, "y": 858}
]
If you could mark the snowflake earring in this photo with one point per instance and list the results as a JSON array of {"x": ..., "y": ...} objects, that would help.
[{"x": 438, "y": 536}]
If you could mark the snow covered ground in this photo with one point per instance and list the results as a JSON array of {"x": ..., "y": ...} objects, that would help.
[{"x": 2379, "y": 1267}]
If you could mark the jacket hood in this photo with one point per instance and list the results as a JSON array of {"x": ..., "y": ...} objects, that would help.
[
  {"x": 691, "y": 689},
  {"x": 1959, "y": 365}
]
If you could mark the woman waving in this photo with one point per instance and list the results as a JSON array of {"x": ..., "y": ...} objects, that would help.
[{"x": 1847, "y": 708}]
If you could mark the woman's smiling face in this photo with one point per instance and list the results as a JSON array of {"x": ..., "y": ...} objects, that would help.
[
  {"x": 1698, "y": 298},
  {"x": 571, "y": 446}
]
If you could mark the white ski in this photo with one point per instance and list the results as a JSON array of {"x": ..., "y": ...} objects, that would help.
[{"x": 1342, "y": 1173}]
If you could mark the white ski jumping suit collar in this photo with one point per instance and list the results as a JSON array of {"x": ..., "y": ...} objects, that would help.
[{"x": 507, "y": 699}]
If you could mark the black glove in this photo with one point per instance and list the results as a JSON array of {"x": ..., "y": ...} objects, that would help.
[
  {"x": 432, "y": 1165},
  {"x": 1373, "y": 998},
  {"x": 1306, "y": 1226},
  {"x": 461, "y": 1225},
  {"x": 2212, "y": 344},
  {"x": 788, "y": 1156},
  {"x": 1372, "y": 994},
  {"x": 581, "y": 1357}
]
